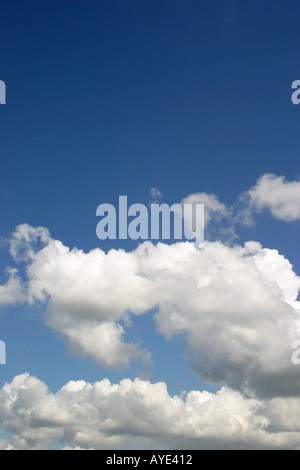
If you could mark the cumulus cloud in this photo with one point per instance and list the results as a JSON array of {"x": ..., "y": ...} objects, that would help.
[
  {"x": 102, "y": 341},
  {"x": 239, "y": 313},
  {"x": 87, "y": 295},
  {"x": 212, "y": 206},
  {"x": 281, "y": 197},
  {"x": 139, "y": 414},
  {"x": 272, "y": 192},
  {"x": 26, "y": 240},
  {"x": 236, "y": 306},
  {"x": 12, "y": 292},
  {"x": 218, "y": 218}
]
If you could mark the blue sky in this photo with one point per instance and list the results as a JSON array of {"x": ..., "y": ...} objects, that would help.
[{"x": 114, "y": 98}]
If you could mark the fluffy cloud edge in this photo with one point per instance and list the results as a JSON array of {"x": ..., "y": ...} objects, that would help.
[
  {"x": 236, "y": 306},
  {"x": 138, "y": 414},
  {"x": 280, "y": 196}
]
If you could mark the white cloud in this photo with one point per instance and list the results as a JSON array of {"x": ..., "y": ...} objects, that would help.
[
  {"x": 212, "y": 206},
  {"x": 237, "y": 306},
  {"x": 218, "y": 218},
  {"x": 26, "y": 240},
  {"x": 12, "y": 292},
  {"x": 238, "y": 315},
  {"x": 281, "y": 197},
  {"x": 138, "y": 414},
  {"x": 103, "y": 342}
]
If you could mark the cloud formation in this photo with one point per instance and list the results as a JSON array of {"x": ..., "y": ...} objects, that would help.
[
  {"x": 214, "y": 209},
  {"x": 271, "y": 192},
  {"x": 138, "y": 414},
  {"x": 236, "y": 306},
  {"x": 281, "y": 197}
]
